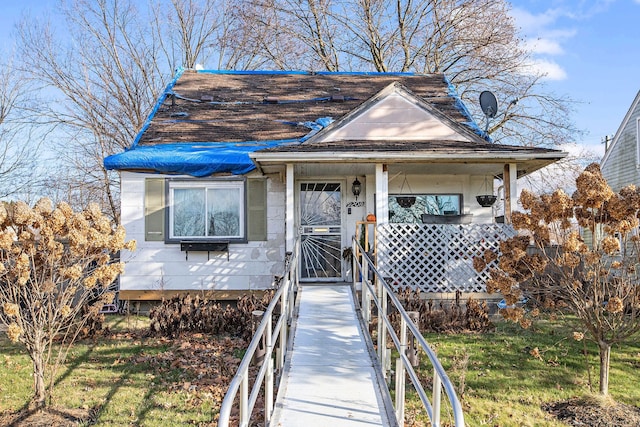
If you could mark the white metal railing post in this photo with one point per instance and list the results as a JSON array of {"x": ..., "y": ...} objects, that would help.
[
  {"x": 366, "y": 314},
  {"x": 269, "y": 377},
  {"x": 372, "y": 294},
  {"x": 382, "y": 326},
  {"x": 282, "y": 340},
  {"x": 400, "y": 374},
  {"x": 366, "y": 306},
  {"x": 354, "y": 263},
  {"x": 436, "y": 398},
  {"x": 244, "y": 400}
]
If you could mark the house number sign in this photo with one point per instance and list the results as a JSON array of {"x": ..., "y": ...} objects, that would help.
[{"x": 355, "y": 204}]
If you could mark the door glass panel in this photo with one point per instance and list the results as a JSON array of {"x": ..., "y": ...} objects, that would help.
[{"x": 321, "y": 231}]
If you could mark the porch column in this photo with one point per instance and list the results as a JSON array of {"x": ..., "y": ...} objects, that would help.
[
  {"x": 510, "y": 190},
  {"x": 382, "y": 194},
  {"x": 290, "y": 226}
]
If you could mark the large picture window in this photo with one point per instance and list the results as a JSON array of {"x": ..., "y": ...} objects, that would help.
[
  {"x": 212, "y": 210},
  {"x": 432, "y": 204}
]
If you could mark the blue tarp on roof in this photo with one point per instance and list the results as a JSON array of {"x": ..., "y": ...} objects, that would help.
[
  {"x": 200, "y": 159},
  {"x": 196, "y": 159}
]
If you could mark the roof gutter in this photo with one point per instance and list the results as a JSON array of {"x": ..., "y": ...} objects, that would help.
[{"x": 405, "y": 156}]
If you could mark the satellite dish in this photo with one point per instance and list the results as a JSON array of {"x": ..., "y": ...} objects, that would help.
[{"x": 488, "y": 104}]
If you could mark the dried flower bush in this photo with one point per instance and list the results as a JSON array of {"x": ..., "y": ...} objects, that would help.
[
  {"x": 55, "y": 268},
  {"x": 449, "y": 318},
  {"x": 187, "y": 313},
  {"x": 599, "y": 283}
]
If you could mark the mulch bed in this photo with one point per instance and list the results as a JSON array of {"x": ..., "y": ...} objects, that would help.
[
  {"x": 50, "y": 417},
  {"x": 585, "y": 412}
]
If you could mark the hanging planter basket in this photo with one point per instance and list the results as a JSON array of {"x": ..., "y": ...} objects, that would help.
[
  {"x": 486, "y": 200},
  {"x": 406, "y": 201}
]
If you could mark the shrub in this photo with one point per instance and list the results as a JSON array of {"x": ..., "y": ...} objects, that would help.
[{"x": 189, "y": 313}]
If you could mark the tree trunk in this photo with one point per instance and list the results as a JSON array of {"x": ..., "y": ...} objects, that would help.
[
  {"x": 605, "y": 355},
  {"x": 39, "y": 400}
]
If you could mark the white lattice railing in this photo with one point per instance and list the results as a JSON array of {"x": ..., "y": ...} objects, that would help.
[{"x": 437, "y": 257}]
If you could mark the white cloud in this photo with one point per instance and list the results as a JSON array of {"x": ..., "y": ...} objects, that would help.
[
  {"x": 544, "y": 46},
  {"x": 544, "y": 40},
  {"x": 550, "y": 69},
  {"x": 530, "y": 23}
]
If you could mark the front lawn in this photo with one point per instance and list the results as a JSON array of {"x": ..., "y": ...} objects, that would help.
[
  {"x": 126, "y": 378},
  {"x": 505, "y": 377}
]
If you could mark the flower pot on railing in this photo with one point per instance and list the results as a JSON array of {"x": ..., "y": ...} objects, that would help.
[{"x": 486, "y": 200}]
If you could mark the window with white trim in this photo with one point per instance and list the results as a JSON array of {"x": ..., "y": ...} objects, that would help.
[
  {"x": 431, "y": 204},
  {"x": 206, "y": 210}
]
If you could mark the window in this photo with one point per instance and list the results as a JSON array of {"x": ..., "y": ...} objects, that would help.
[
  {"x": 206, "y": 210},
  {"x": 432, "y": 204}
]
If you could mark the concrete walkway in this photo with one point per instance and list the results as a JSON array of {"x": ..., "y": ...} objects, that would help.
[{"x": 329, "y": 379}]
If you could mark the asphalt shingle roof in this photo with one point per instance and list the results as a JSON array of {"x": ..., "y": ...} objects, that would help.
[{"x": 235, "y": 107}]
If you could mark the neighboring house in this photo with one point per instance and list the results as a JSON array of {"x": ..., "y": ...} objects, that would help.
[
  {"x": 232, "y": 167},
  {"x": 621, "y": 162}
]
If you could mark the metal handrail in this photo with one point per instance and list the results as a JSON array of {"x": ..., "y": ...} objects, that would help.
[
  {"x": 266, "y": 374},
  {"x": 379, "y": 292}
]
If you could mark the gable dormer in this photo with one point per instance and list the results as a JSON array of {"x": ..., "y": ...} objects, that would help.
[{"x": 396, "y": 114}]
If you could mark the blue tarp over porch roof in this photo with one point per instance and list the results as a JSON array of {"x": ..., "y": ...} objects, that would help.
[{"x": 196, "y": 159}]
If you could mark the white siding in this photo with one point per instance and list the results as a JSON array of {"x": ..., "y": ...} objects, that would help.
[
  {"x": 395, "y": 118},
  {"x": 620, "y": 164},
  {"x": 160, "y": 266},
  {"x": 621, "y": 169}
]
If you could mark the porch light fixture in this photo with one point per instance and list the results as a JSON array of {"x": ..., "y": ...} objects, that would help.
[
  {"x": 405, "y": 201},
  {"x": 356, "y": 188}
]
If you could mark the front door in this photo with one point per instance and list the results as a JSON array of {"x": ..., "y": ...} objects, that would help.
[{"x": 320, "y": 231}]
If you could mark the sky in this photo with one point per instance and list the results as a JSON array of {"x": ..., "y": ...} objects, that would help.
[{"x": 590, "y": 50}]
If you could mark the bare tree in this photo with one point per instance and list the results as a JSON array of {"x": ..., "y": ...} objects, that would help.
[
  {"x": 20, "y": 135},
  {"x": 474, "y": 43},
  {"x": 104, "y": 77},
  {"x": 107, "y": 70},
  {"x": 108, "y": 67}
]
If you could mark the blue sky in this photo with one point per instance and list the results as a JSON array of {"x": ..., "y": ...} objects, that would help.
[{"x": 590, "y": 50}]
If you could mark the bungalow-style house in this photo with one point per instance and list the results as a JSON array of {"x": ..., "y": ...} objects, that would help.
[
  {"x": 621, "y": 161},
  {"x": 233, "y": 167}
]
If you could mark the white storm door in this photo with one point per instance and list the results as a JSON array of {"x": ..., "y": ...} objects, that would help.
[{"x": 320, "y": 231}]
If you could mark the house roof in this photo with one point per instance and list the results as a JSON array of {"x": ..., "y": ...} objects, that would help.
[
  {"x": 209, "y": 122},
  {"x": 260, "y": 106}
]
